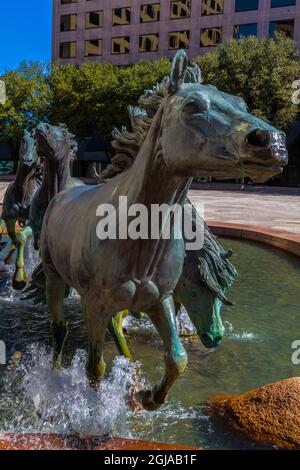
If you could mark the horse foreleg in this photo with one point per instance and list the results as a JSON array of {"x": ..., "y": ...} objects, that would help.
[
  {"x": 55, "y": 293},
  {"x": 97, "y": 320},
  {"x": 11, "y": 232},
  {"x": 2, "y": 227},
  {"x": 163, "y": 317},
  {"x": 116, "y": 330},
  {"x": 20, "y": 278}
]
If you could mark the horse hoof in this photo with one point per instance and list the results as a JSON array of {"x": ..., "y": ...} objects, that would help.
[
  {"x": 18, "y": 285},
  {"x": 134, "y": 405},
  {"x": 146, "y": 401}
]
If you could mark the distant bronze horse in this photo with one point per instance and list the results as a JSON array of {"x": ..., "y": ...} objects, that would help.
[
  {"x": 19, "y": 194},
  {"x": 184, "y": 129},
  {"x": 57, "y": 151}
]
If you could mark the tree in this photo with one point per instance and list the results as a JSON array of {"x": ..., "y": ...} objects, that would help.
[
  {"x": 261, "y": 71},
  {"x": 93, "y": 99},
  {"x": 26, "y": 103}
]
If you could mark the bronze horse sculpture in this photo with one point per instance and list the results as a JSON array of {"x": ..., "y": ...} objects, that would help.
[
  {"x": 184, "y": 130},
  {"x": 56, "y": 156},
  {"x": 206, "y": 275},
  {"x": 19, "y": 194},
  {"x": 201, "y": 290}
]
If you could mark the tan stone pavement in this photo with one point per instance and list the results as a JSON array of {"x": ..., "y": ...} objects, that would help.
[
  {"x": 3, "y": 187},
  {"x": 278, "y": 211},
  {"x": 267, "y": 207}
]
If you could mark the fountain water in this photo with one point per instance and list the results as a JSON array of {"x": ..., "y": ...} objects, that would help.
[{"x": 256, "y": 350}]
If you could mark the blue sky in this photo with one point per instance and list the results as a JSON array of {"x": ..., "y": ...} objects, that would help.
[{"x": 25, "y": 31}]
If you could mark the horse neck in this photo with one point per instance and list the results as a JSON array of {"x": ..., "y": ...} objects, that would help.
[
  {"x": 23, "y": 184},
  {"x": 56, "y": 175},
  {"x": 149, "y": 180}
]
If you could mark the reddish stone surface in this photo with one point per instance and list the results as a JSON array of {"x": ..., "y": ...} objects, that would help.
[
  {"x": 270, "y": 414},
  {"x": 284, "y": 240},
  {"x": 17, "y": 441}
]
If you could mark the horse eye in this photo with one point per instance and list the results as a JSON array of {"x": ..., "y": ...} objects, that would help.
[{"x": 193, "y": 108}]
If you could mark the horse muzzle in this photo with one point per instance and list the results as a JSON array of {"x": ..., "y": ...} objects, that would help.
[
  {"x": 211, "y": 341},
  {"x": 266, "y": 154}
]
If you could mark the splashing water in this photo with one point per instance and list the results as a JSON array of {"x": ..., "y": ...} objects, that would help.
[
  {"x": 184, "y": 324},
  {"x": 7, "y": 293},
  {"x": 240, "y": 335},
  {"x": 64, "y": 402}
]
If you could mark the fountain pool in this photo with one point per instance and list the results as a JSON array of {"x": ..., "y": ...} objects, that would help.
[{"x": 256, "y": 350}]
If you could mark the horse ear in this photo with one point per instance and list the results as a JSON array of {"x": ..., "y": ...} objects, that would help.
[
  {"x": 179, "y": 68},
  {"x": 197, "y": 73}
]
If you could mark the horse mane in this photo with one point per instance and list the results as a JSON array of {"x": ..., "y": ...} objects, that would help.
[
  {"x": 210, "y": 264},
  {"x": 127, "y": 143},
  {"x": 214, "y": 267},
  {"x": 67, "y": 135}
]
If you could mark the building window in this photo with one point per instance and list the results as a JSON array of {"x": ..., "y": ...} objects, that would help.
[
  {"x": 282, "y": 26},
  {"x": 244, "y": 30},
  {"x": 180, "y": 9},
  {"x": 93, "y": 47},
  {"x": 282, "y": 3},
  {"x": 212, "y": 7},
  {"x": 149, "y": 42},
  {"x": 94, "y": 19},
  {"x": 120, "y": 45},
  {"x": 246, "y": 5},
  {"x": 68, "y": 23},
  {"x": 210, "y": 37},
  {"x": 121, "y": 16},
  {"x": 67, "y": 50},
  {"x": 179, "y": 40},
  {"x": 150, "y": 13}
]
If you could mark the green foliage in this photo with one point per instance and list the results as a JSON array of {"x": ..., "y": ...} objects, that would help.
[
  {"x": 27, "y": 100},
  {"x": 93, "y": 99},
  {"x": 261, "y": 71}
]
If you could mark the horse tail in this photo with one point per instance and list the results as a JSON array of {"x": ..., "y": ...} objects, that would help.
[{"x": 36, "y": 289}]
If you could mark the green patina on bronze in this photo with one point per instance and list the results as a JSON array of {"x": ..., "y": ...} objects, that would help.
[{"x": 184, "y": 129}]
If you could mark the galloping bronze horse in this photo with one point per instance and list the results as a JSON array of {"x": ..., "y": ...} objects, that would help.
[
  {"x": 19, "y": 194},
  {"x": 185, "y": 129},
  {"x": 57, "y": 151}
]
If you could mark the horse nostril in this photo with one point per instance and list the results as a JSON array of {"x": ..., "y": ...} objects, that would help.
[{"x": 258, "y": 138}]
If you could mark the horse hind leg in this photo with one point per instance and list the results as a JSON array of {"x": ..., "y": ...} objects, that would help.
[
  {"x": 55, "y": 293},
  {"x": 163, "y": 317},
  {"x": 116, "y": 330},
  {"x": 20, "y": 277},
  {"x": 97, "y": 320},
  {"x": 11, "y": 231},
  {"x": 2, "y": 228}
]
